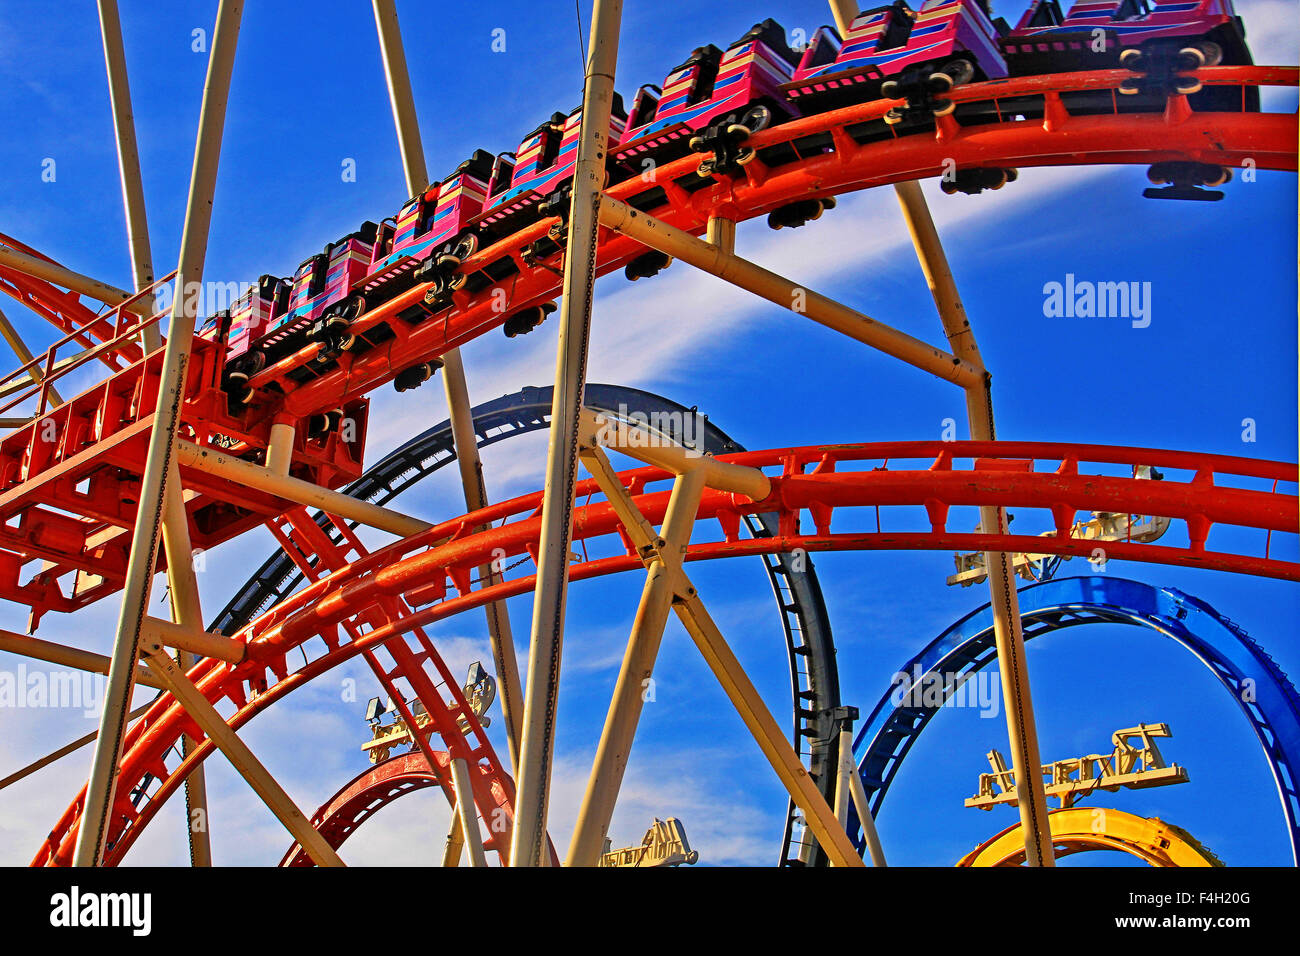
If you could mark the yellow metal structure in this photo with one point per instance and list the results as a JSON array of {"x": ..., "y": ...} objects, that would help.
[
  {"x": 664, "y": 844},
  {"x": 1127, "y": 765},
  {"x": 1093, "y": 828}
]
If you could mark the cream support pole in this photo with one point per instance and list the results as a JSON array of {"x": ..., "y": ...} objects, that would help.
[
  {"x": 279, "y": 451},
  {"x": 979, "y": 409},
  {"x": 465, "y": 813},
  {"x": 844, "y": 12},
  {"x": 63, "y": 751},
  {"x": 848, "y": 785},
  {"x": 158, "y": 464},
  {"x": 625, "y": 706},
  {"x": 1008, "y": 634},
  {"x": 715, "y": 260},
  {"x": 459, "y": 410},
  {"x": 455, "y": 840},
  {"x": 51, "y": 272},
  {"x": 187, "y": 610},
  {"x": 528, "y": 841},
  {"x": 214, "y": 462},
  {"x": 721, "y": 233},
  {"x": 128, "y": 160},
  {"x": 739, "y": 689},
  {"x": 54, "y": 653},
  {"x": 241, "y": 758}
]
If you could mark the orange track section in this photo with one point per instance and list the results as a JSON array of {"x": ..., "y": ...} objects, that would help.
[{"x": 825, "y": 498}]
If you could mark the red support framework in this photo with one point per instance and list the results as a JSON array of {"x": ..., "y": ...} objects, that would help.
[{"x": 825, "y": 499}]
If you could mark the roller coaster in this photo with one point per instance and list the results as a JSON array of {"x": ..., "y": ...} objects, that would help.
[{"x": 257, "y": 418}]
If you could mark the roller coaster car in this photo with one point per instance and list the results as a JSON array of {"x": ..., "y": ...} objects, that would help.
[
  {"x": 545, "y": 162},
  {"x": 713, "y": 88},
  {"x": 435, "y": 224},
  {"x": 322, "y": 290},
  {"x": 896, "y": 41},
  {"x": 1045, "y": 42},
  {"x": 251, "y": 315}
]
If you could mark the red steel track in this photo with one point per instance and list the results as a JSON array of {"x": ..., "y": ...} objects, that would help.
[
  {"x": 71, "y": 501},
  {"x": 369, "y": 792},
  {"x": 825, "y": 498}
]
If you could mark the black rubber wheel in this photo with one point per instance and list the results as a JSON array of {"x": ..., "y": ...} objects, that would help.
[
  {"x": 1212, "y": 52},
  {"x": 961, "y": 70},
  {"x": 758, "y": 118},
  {"x": 467, "y": 245},
  {"x": 1220, "y": 177},
  {"x": 940, "y": 83}
]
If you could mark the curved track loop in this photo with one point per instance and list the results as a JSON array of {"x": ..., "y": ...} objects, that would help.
[
  {"x": 418, "y": 570},
  {"x": 806, "y": 624},
  {"x": 1231, "y": 655},
  {"x": 1080, "y": 829},
  {"x": 371, "y": 791}
]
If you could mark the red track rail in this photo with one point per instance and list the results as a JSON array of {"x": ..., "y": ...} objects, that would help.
[
  {"x": 100, "y": 436},
  {"x": 831, "y": 488},
  {"x": 371, "y": 791}
]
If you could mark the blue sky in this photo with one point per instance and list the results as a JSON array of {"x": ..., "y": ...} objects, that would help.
[{"x": 309, "y": 95}]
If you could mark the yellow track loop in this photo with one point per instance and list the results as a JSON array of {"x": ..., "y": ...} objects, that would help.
[{"x": 1079, "y": 829}]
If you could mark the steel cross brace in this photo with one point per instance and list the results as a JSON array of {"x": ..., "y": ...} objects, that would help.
[{"x": 668, "y": 585}]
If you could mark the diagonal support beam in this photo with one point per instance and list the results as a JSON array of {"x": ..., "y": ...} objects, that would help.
[
  {"x": 620, "y": 727},
  {"x": 66, "y": 749},
  {"x": 214, "y": 462},
  {"x": 537, "y": 742},
  {"x": 1013, "y": 670},
  {"x": 241, "y": 758},
  {"x": 466, "y": 816},
  {"x": 662, "y": 556},
  {"x": 717, "y": 261},
  {"x": 848, "y": 785},
  {"x": 159, "y": 462},
  {"x": 459, "y": 410}
]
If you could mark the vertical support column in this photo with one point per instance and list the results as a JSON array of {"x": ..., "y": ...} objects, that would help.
[
  {"x": 721, "y": 232},
  {"x": 98, "y": 804},
  {"x": 454, "y": 382},
  {"x": 455, "y": 839},
  {"x": 1009, "y": 637},
  {"x": 528, "y": 841},
  {"x": 186, "y": 608},
  {"x": 466, "y": 816},
  {"x": 638, "y": 665},
  {"x": 187, "y": 611},
  {"x": 128, "y": 161},
  {"x": 279, "y": 450},
  {"x": 848, "y": 785}
]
